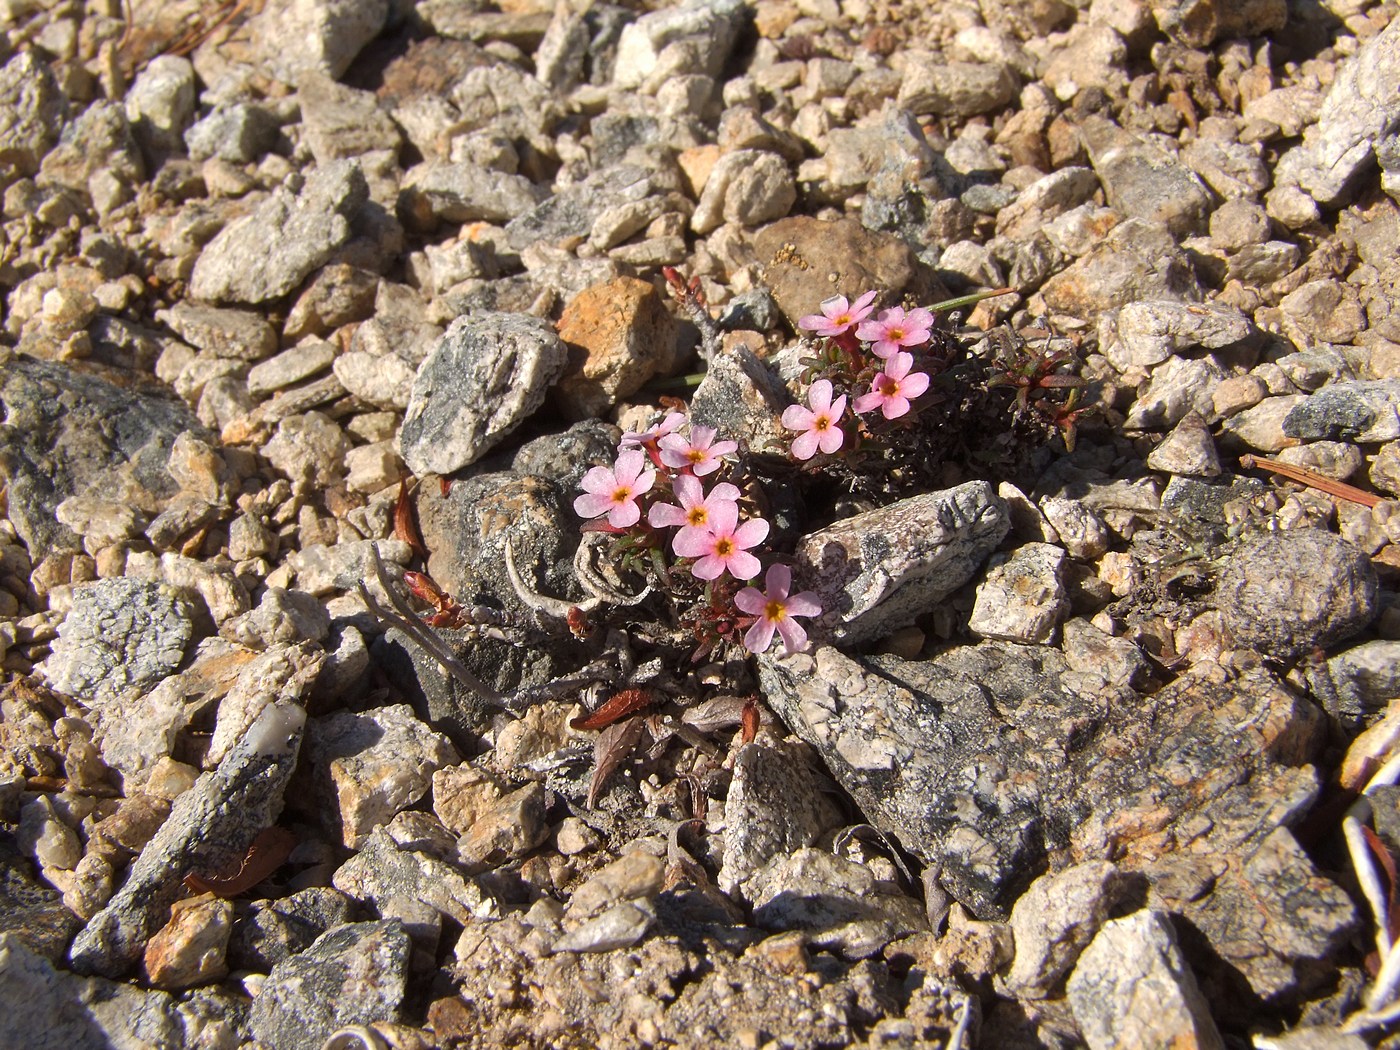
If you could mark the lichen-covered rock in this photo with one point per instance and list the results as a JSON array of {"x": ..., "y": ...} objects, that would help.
[
  {"x": 121, "y": 634},
  {"x": 1289, "y": 592},
  {"x": 32, "y": 111}
]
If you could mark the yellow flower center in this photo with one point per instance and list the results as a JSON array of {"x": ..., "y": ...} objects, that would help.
[
  {"x": 621, "y": 495},
  {"x": 697, "y": 515},
  {"x": 774, "y": 610},
  {"x": 724, "y": 547},
  {"x": 696, "y": 455},
  {"x": 822, "y": 423}
]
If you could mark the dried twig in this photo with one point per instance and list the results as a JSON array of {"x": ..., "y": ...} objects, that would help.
[
  {"x": 1381, "y": 1006},
  {"x": 1312, "y": 479}
]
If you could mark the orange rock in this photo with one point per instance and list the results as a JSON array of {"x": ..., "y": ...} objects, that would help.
[{"x": 619, "y": 335}]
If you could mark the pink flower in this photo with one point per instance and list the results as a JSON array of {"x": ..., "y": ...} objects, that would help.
[
  {"x": 817, "y": 423},
  {"x": 696, "y": 509},
  {"x": 700, "y": 452},
  {"x": 838, "y": 315},
  {"x": 721, "y": 547},
  {"x": 775, "y": 611},
  {"x": 894, "y": 329},
  {"x": 614, "y": 490},
  {"x": 892, "y": 389},
  {"x": 672, "y": 422}
]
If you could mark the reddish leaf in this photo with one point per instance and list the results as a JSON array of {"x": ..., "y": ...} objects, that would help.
[
  {"x": 613, "y": 745},
  {"x": 445, "y": 487},
  {"x": 617, "y": 706},
  {"x": 405, "y": 528},
  {"x": 749, "y": 720},
  {"x": 264, "y": 856},
  {"x": 1387, "y": 863}
]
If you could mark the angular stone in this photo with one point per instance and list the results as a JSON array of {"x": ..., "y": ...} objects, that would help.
[
  {"x": 330, "y": 33},
  {"x": 1022, "y": 598},
  {"x": 190, "y": 948},
  {"x": 32, "y": 111},
  {"x": 572, "y": 211},
  {"x": 691, "y": 39},
  {"x": 774, "y": 807},
  {"x": 241, "y": 334},
  {"x": 1199, "y": 23},
  {"x": 1132, "y": 987},
  {"x": 121, "y": 635},
  {"x": 209, "y": 829},
  {"x": 954, "y": 89},
  {"x": 1135, "y": 261},
  {"x": 438, "y": 191},
  {"x": 342, "y": 122},
  {"x": 878, "y": 571},
  {"x": 1055, "y": 920},
  {"x": 747, "y": 187},
  {"x": 382, "y": 871},
  {"x": 487, "y": 374},
  {"x": 355, "y": 974},
  {"x": 1144, "y": 182},
  {"x": 1359, "y": 410},
  {"x": 620, "y": 335},
  {"x": 1143, "y": 334},
  {"x": 270, "y": 251},
  {"x": 1189, "y": 449},
  {"x": 967, "y": 761}
]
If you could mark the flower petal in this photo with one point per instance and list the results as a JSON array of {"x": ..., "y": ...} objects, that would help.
[
  {"x": 751, "y": 533},
  {"x": 804, "y": 604},
  {"x": 778, "y": 579},
  {"x": 795, "y": 417},
  {"x": 751, "y": 600},
  {"x": 759, "y": 637},
  {"x": 805, "y": 445},
  {"x": 592, "y": 504},
  {"x": 794, "y": 636},
  {"x": 743, "y": 565},
  {"x": 663, "y": 515}
]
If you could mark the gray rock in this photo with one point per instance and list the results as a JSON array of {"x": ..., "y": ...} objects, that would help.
[
  {"x": 774, "y": 807},
  {"x": 31, "y": 912},
  {"x": 954, "y": 89},
  {"x": 67, "y": 433},
  {"x": 341, "y": 121},
  {"x": 1022, "y": 598},
  {"x": 241, "y": 334},
  {"x": 47, "y": 1009},
  {"x": 692, "y": 39},
  {"x": 1264, "y": 263},
  {"x": 487, "y": 374},
  {"x": 282, "y": 617},
  {"x": 1354, "y": 410},
  {"x": 33, "y": 109},
  {"x": 1261, "y": 427},
  {"x": 274, "y": 930},
  {"x": 1289, "y": 592},
  {"x": 1179, "y": 386},
  {"x": 160, "y": 105},
  {"x": 1132, "y": 987},
  {"x": 1189, "y": 449},
  {"x": 1237, "y": 224},
  {"x": 930, "y": 751},
  {"x": 438, "y": 191},
  {"x": 290, "y": 367},
  {"x": 1356, "y": 684},
  {"x": 878, "y": 571},
  {"x": 1055, "y": 919},
  {"x": 121, "y": 634},
  {"x": 1046, "y": 199},
  {"x": 1143, "y": 334},
  {"x": 1234, "y": 170},
  {"x": 855, "y": 156},
  {"x": 266, "y": 254},
  {"x": 98, "y": 142},
  {"x": 382, "y": 871},
  {"x": 837, "y": 903},
  {"x": 1322, "y": 311},
  {"x": 238, "y": 132},
  {"x": 309, "y": 449},
  {"x": 330, "y": 33},
  {"x": 1143, "y": 182},
  {"x": 1136, "y": 261},
  {"x": 742, "y": 399},
  {"x": 572, "y": 211},
  {"x": 505, "y": 830},
  {"x": 747, "y": 187},
  {"x": 621, "y": 926},
  {"x": 1281, "y": 942},
  {"x": 209, "y": 829},
  {"x": 354, "y": 974},
  {"x": 1360, "y": 109}
]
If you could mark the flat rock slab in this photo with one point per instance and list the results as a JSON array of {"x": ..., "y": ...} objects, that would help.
[
  {"x": 992, "y": 761},
  {"x": 68, "y": 432},
  {"x": 485, "y": 376}
]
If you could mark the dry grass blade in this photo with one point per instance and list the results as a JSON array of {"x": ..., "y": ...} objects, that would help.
[
  {"x": 1312, "y": 479},
  {"x": 405, "y": 528}
]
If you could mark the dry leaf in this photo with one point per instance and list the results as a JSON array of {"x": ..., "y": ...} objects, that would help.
[
  {"x": 619, "y": 705},
  {"x": 612, "y": 746},
  {"x": 405, "y": 528}
]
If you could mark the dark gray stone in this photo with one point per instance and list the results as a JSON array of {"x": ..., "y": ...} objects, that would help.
[
  {"x": 1143, "y": 182},
  {"x": 29, "y": 910},
  {"x": 571, "y": 211},
  {"x": 456, "y": 193},
  {"x": 354, "y": 974},
  {"x": 68, "y": 431},
  {"x": 275, "y": 930},
  {"x": 32, "y": 111},
  {"x": 986, "y": 761},
  {"x": 1361, "y": 410}
]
